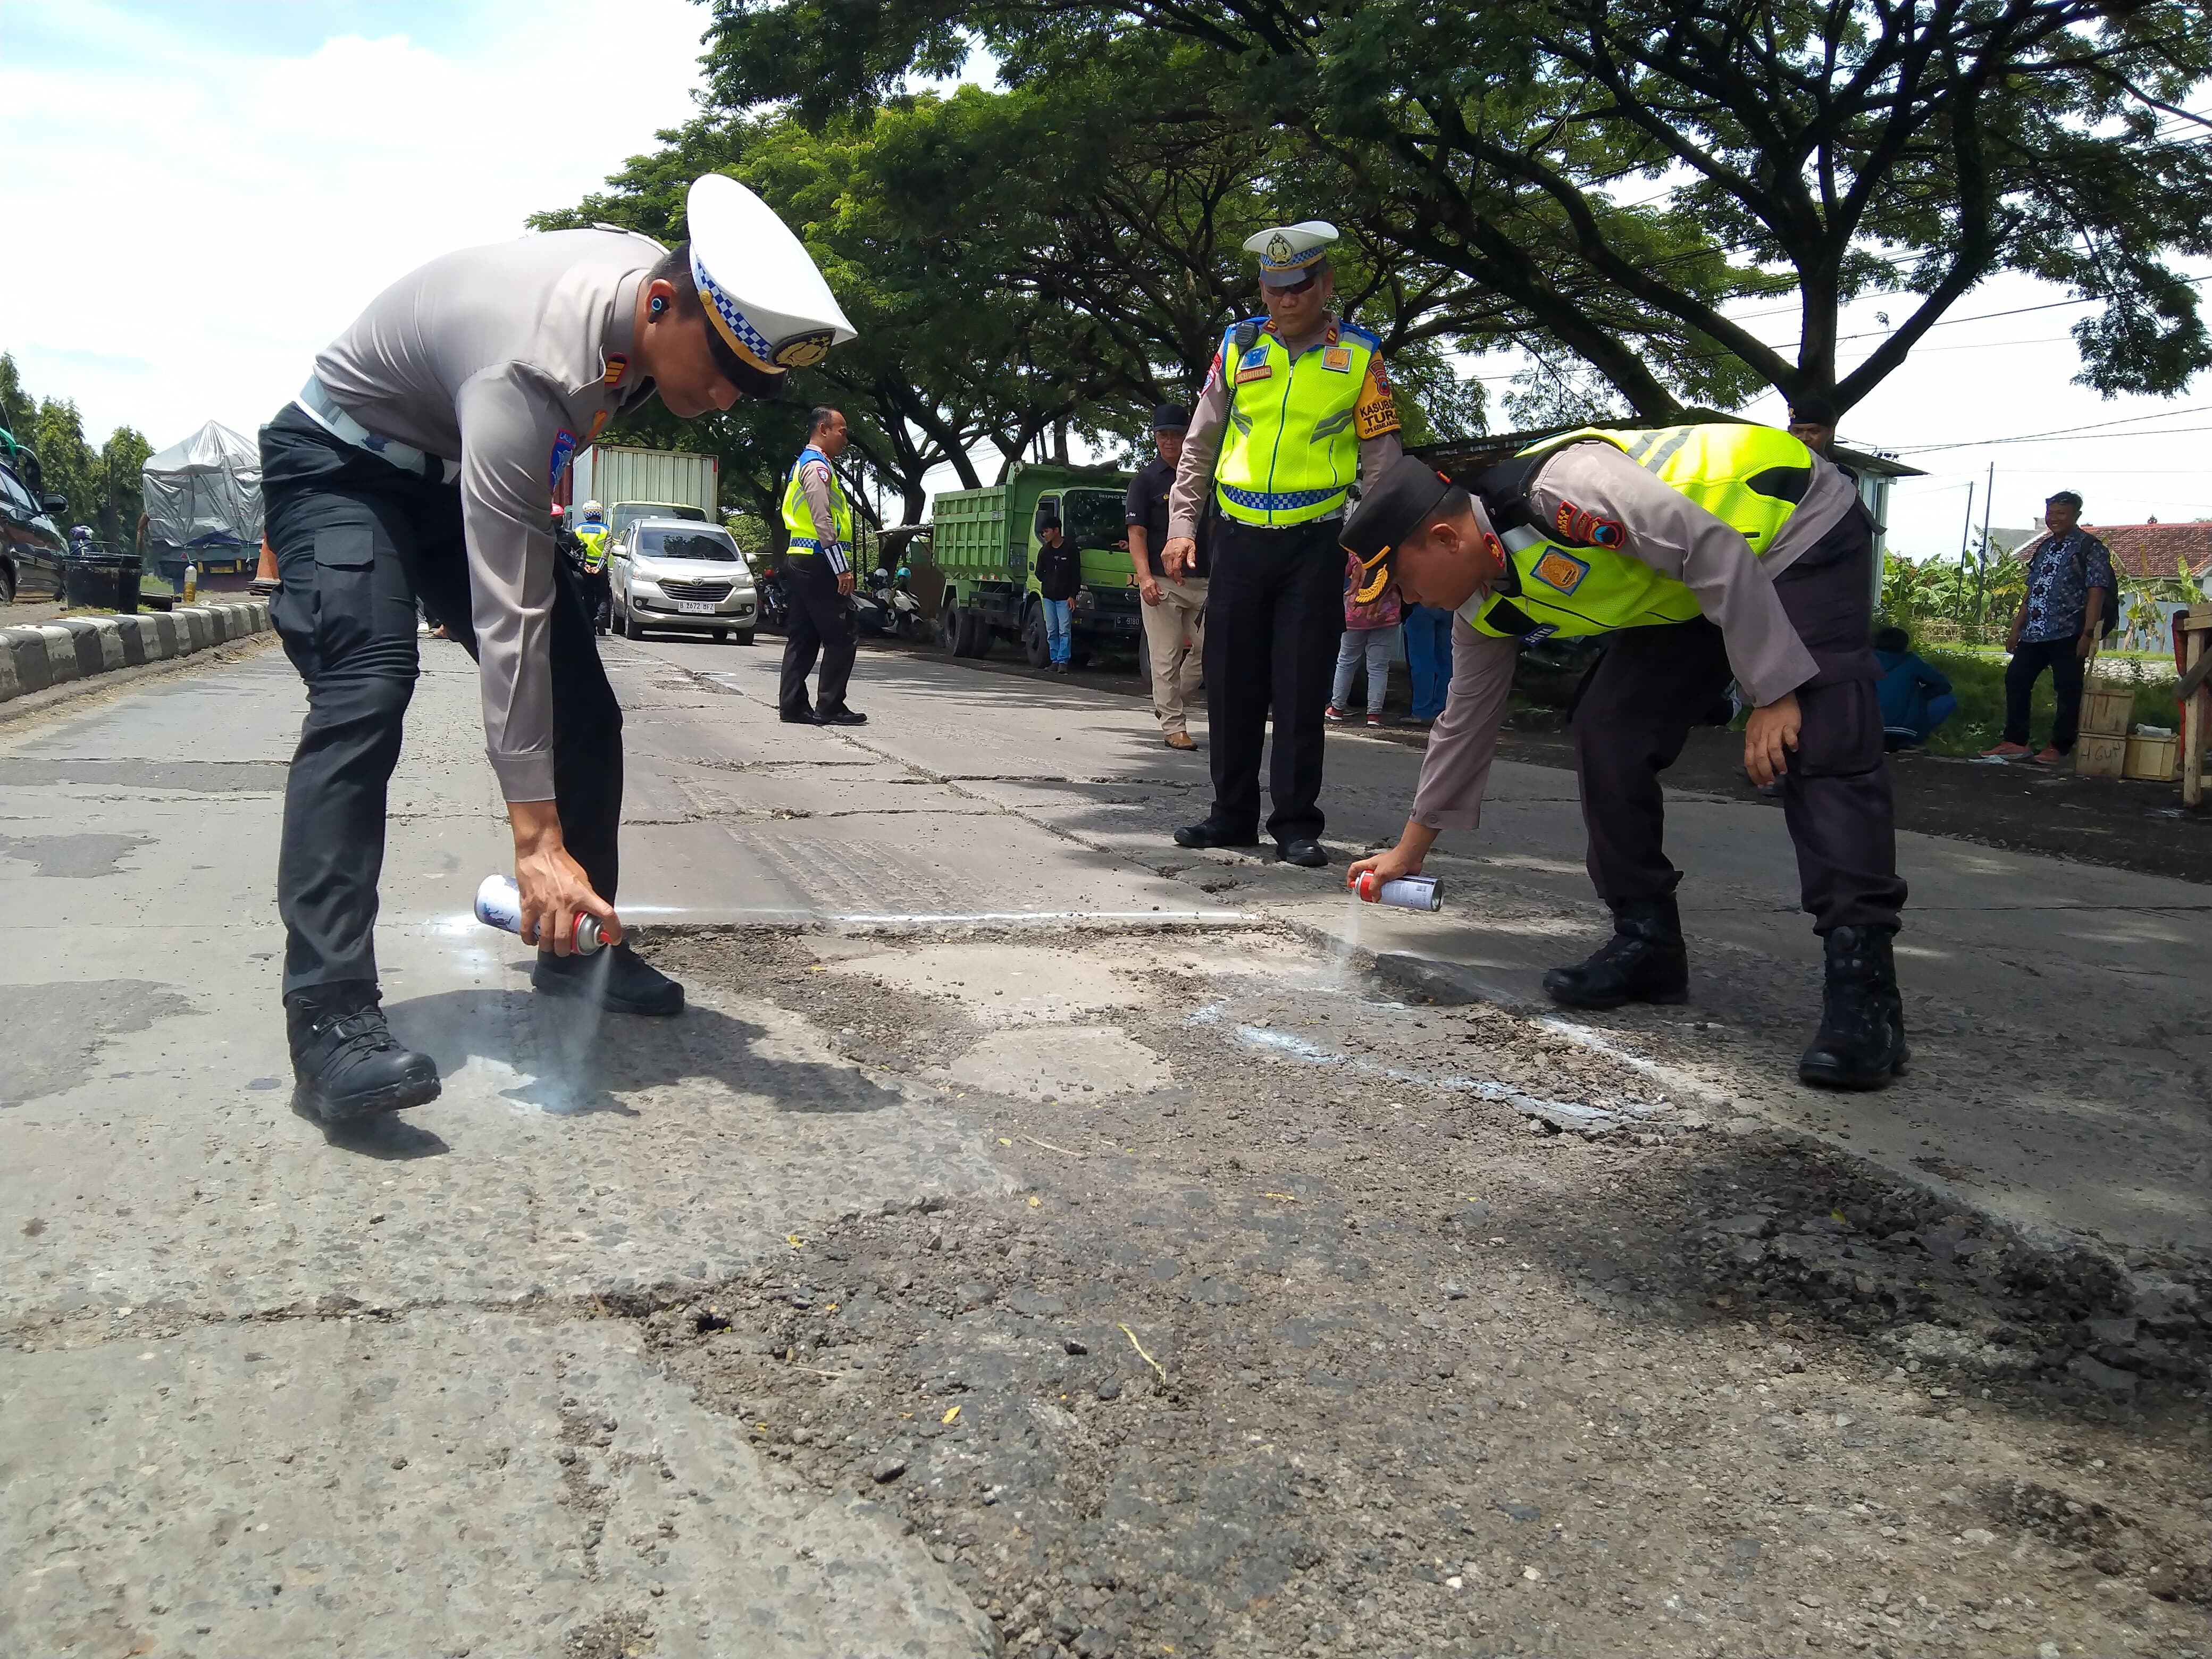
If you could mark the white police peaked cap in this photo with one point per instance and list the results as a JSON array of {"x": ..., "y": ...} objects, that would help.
[
  {"x": 1288, "y": 251},
  {"x": 763, "y": 293}
]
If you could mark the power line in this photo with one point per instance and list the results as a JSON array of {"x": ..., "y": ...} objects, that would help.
[{"x": 2093, "y": 437}]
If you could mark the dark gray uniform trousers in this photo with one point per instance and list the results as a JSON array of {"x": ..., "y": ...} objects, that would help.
[
  {"x": 357, "y": 541},
  {"x": 1653, "y": 684},
  {"x": 822, "y": 621},
  {"x": 1274, "y": 611}
]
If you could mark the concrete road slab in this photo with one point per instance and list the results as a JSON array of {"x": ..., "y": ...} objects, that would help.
[{"x": 449, "y": 1482}]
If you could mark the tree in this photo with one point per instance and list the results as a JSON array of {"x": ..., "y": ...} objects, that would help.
[
  {"x": 1621, "y": 169},
  {"x": 105, "y": 486}
]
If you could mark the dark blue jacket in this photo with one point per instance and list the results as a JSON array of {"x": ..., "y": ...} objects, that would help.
[{"x": 1907, "y": 684}]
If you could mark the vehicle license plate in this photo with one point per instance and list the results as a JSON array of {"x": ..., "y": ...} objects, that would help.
[{"x": 696, "y": 607}]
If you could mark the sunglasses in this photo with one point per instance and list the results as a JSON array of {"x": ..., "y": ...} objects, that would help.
[{"x": 1298, "y": 287}]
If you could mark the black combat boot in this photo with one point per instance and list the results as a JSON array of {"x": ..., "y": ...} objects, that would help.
[
  {"x": 1645, "y": 961},
  {"x": 1861, "y": 1041},
  {"x": 344, "y": 1058},
  {"x": 625, "y": 983}
]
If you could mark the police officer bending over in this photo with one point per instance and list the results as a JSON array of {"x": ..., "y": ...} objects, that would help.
[
  {"x": 421, "y": 459},
  {"x": 1704, "y": 551}
]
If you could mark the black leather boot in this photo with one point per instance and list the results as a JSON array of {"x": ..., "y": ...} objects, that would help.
[
  {"x": 1645, "y": 961},
  {"x": 1861, "y": 1041},
  {"x": 346, "y": 1061},
  {"x": 621, "y": 981}
]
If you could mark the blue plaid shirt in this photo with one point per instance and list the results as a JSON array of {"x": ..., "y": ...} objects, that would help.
[{"x": 2057, "y": 592}]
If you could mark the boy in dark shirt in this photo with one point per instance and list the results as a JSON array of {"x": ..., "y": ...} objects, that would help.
[{"x": 1060, "y": 576}]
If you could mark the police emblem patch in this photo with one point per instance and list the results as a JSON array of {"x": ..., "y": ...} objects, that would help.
[
  {"x": 564, "y": 451},
  {"x": 1560, "y": 570},
  {"x": 617, "y": 366},
  {"x": 805, "y": 351},
  {"x": 1256, "y": 357},
  {"x": 1584, "y": 528},
  {"x": 1279, "y": 249},
  {"x": 1337, "y": 359}
]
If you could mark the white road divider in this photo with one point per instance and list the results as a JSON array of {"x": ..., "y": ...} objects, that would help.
[{"x": 46, "y": 654}]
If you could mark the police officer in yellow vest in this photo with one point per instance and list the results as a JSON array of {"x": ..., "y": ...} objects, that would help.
[
  {"x": 599, "y": 591},
  {"x": 1297, "y": 404},
  {"x": 1703, "y": 553},
  {"x": 818, "y": 569}
]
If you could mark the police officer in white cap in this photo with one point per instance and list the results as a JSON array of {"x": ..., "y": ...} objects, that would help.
[
  {"x": 421, "y": 460},
  {"x": 1297, "y": 404}
]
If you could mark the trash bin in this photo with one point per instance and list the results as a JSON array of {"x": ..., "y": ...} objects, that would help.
[{"x": 104, "y": 581}]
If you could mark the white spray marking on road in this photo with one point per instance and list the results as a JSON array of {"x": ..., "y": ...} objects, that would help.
[{"x": 1566, "y": 1113}]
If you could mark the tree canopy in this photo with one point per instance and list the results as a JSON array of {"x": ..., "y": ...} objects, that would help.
[
  {"x": 1602, "y": 176},
  {"x": 104, "y": 485}
]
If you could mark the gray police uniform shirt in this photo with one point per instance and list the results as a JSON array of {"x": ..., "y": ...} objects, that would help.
[
  {"x": 508, "y": 359},
  {"x": 1671, "y": 533}
]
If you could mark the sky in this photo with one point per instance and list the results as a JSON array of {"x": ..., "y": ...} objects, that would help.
[{"x": 223, "y": 186}]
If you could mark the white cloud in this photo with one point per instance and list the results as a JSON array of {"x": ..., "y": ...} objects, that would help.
[{"x": 219, "y": 208}]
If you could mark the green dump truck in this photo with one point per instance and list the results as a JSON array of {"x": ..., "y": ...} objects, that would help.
[{"x": 985, "y": 543}]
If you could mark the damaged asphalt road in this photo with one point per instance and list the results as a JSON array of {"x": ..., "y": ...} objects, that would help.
[{"x": 1252, "y": 1360}]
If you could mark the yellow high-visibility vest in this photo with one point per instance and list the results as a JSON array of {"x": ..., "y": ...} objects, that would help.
[
  {"x": 1292, "y": 449},
  {"x": 1750, "y": 477},
  {"x": 799, "y": 518}
]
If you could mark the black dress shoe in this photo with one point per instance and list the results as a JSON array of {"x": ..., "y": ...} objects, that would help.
[
  {"x": 1210, "y": 834},
  {"x": 346, "y": 1061},
  {"x": 804, "y": 717},
  {"x": 1306, "y": 852},
  {"x": 1861, "y": 1041},
  {"x": 839, "y": 717},
  {"x": 1645, "y": 961},
  {"x": 628, "y": 984}
]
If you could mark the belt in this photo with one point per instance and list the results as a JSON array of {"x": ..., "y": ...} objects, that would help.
[
  {"x": 316, "y": 403},
  {"x": 1289, "y": 501}
]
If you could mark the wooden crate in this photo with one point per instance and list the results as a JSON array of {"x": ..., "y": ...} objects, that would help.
[
  {"x": 2153, "y": 760},
  {"x": 2106, "y": 711},
  {"x": 2096, "y": 755}
]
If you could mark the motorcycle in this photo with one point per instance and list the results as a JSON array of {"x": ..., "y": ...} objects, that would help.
[
  {"x": 901, "y": 611},
  {"x": 774, "y": 595}
]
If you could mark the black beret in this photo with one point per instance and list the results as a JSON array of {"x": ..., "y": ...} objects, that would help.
[
  {"x": 1395, "y": 508},
  {"x": 1814, "y": 410},
  {"x": 1170, "y": 417}
]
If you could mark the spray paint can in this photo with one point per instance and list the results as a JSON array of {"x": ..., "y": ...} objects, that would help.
[
  {"x": 1406, "y": 892},
  {"x": 499, "y": 904}
]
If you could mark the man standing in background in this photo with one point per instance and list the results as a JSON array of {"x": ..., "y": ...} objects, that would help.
[
  {"x": 2070, "y": 592},
  {"x": 1060, "y": 578},
  {"x": 1297, "y": 404},
  {"x": 818, "y": 569},
  {"x": 1175, "y": 606}
]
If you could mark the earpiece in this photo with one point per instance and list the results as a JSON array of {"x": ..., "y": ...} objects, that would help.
[{"x": 659, "y": 306}]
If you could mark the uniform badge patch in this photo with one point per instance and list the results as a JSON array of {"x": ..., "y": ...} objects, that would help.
[
  {"x": 1560, "y": 570},
  {"x": 1584, "y": 528},
  {"x": 1255, "y": 357},
  {"x": 564, "y": 451},
  {"x": 1252, "y": 371},
  {"x": 617, "y": 366},
  {"x": 1337, "y": 359}
]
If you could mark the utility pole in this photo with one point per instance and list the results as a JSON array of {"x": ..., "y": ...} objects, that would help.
[
  {"x": 1966, "y": 530},
  {"x": 1982, "y": 569}
]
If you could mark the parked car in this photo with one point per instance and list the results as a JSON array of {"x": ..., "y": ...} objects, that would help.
[
  {"x": 31, "y": 544},
  {"x": 681, "y": 576}
]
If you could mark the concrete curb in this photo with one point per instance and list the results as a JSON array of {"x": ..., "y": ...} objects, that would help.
[{"x": 47, "y": 654}]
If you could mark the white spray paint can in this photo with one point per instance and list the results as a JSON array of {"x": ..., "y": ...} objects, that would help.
[
  {"x": 499, "y": 904},
  {"x": 1406, "y": 892}
]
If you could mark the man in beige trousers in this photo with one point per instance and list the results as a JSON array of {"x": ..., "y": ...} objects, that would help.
[{"x": 1175, "y": 606}]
